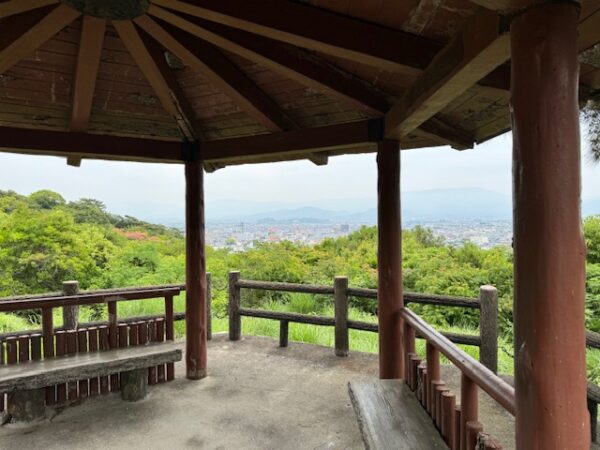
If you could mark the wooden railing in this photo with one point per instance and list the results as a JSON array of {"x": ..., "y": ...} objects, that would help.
[
  {"x": 458, "y": 425},
  {"x": 487, "y": 303},
  {"x": 74, "y": 337}
]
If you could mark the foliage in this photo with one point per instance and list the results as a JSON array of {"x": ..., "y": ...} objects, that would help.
[
  {"x": 45, "y": 240},
  {"x": 591, "y": 115}
]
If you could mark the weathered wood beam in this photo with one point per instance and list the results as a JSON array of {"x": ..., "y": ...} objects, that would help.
[
  {"x": 62, "y": 143},
  {"x": 207, "y": 60},
  {"x": 306, "y": 69},
  {"x": 37, "y": 35},
  {"x": 88, "y": 61},
  {"x": 318, "y": 159},
  {"x": 306, "y": 141},
  {"x": 481, "y": 47},
  {"x": 309, "y": 27},
  {"x": 589, "y": 31},
  {"x": 12, "y": 7},
  {"x": 439, "y": 130},
  {"x": 186, "y": 116}
]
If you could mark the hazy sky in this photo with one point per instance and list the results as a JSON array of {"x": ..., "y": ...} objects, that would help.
[{"x": 133, "y": 188}]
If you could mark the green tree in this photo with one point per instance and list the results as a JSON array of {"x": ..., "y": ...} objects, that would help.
[{"x": 46, "y": 199}]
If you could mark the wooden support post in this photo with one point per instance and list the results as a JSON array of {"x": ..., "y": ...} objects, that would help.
[
  {"x": 72, "y": 387},
  {"x": 48, "y": 336},
  {"x": 235, "y": 320},
  {"x": 284, "y": 331},
  {"x": 152, "y": 371},
  {"x": 195, "y": 306},
  {"x": 469, "y": 407},
  {"x": 549, "y": 251},
  {"x": 389, "y": 258},
  {"x": 70, "y": 312},
  {"x": 340, "y": 292},
  {"x": 61, "y": 349},
  {"x": 457, "y": 427},
  {"x": 208, "y": 306},
  {"x": 488, "y": 327},
  {"x": 593, "y": 409},
  {"x": 160, "y": 337},
  {"x": 170, "y": 332}
]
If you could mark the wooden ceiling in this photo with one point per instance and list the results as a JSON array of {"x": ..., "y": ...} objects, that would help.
[{"x": 252, "y": 81}]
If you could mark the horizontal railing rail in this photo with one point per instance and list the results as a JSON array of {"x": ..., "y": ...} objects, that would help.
[
  {"x": 458, "y": 425},
  {"x": 487, "y": 340}
]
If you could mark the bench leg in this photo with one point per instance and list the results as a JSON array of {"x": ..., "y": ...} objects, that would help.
[
  {"x": 27, "y": 406},
  {"x": 133, "y": 384}
]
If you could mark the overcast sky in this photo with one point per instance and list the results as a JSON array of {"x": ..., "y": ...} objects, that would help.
[{"x": 132, "y": 188}]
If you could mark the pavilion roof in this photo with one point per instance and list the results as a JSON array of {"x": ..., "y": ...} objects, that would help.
[{"x": 257, "y": 81}]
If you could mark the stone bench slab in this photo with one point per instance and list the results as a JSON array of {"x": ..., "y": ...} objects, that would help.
[{"x": 389, "y": 416}]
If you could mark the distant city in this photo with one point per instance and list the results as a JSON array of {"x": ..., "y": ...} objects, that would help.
[{"x": 244, "y": 235}]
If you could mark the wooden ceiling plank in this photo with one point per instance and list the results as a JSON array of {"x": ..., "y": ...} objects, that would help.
[
  {"x": 12, "y": 7},
  {"x": 308, "y": 70},
  {"x": 475, "y": 52},
  {"x": 86, "y": 72},
  {"x": 138, "y": 51},
  {"x": 37, "y": 35},
  {"x": 309, "y": 27},
  {"x": 589, "y": 32},
  {"x": 207, "y": 60}
]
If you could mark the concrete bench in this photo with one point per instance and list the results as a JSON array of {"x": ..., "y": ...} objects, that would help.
[
  {"x": 25, "y": 382},
  {"x": 390, "y": 416}
]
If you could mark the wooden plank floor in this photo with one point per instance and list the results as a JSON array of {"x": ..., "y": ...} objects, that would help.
[{"x": 389, "y": 416}]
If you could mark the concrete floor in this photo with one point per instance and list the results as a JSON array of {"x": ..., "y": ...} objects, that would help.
[{"x": 257, "y": 396}]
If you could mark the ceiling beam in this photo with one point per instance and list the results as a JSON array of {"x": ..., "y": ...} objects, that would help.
[
  {"x": 186, "y": 116},
  {"x": 298, "y": 142},
  {"x": 12, "y": 7},
  {"x": 477, "y": 50},
  {"x": 589, "y": 31},
  {"x": 443, "y": 132},
  {"x": 63, "y": 143},
  {"x": 309, "y": 27},
  {"x": 300, "y": 66},
  {"x": 208, "y": 61},
  {"x": 36, "y": 36},
  {"x": 86, "y": 72},
  {"x": 318, "y": 159}
]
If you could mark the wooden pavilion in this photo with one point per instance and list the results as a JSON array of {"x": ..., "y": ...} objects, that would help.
[{"x": 210, "y": 83}]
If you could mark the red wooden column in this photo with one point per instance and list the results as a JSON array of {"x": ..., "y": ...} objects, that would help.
[
  {"x": 195, "y": 307},
  {"x": 550, "y": 373},
  {"x": 389, "y": 259}
]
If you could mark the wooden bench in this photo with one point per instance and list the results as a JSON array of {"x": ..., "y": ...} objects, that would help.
[
  {"x": 390, "y": 416},
  {"x": 25, "y": 382}
]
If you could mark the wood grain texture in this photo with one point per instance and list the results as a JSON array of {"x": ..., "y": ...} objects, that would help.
[
  {"x": 13, "y": 7},
  {"x": 43, "y": 373},
  {"x": 389, "y": 416},
  {"x": 23, "y": 45}
]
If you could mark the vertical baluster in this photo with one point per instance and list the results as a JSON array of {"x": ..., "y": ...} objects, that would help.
[
  {"x": 469, "y": 407},
  {"x": 152, "y": 338},
  {"x": 122, "y": 337},
  {"x": 457, "y": 427},
  {"x": 61, "y": 348},
  {"x": 409, "y": 353},
  {"x": 448, "y": 415},
  {"x": 113, "y": 339},
  {"x": 473, "y": 430},
  {"x": 93, "y": 347},
  {"x": 104, "y": 345},
  {"x": 72, "y": 391},
  {"x": 82, "y": 347},
  {"x": 36, "y": 346},
  {"x": 420, "y": 380},
  {"x": 2, "y": 362},
  {"x": 48, "y": 337},
  {"x": 12, "y": 357},
  {"x": 23, "y": 348},
  {"x": 170, "y": 332},
  {"x": 433, "y": 373},
  {"x": 160, "y": 337}
]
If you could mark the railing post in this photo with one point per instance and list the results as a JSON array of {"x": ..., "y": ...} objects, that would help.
[
  {"x": 488, "y": 327},
  {"x": 71, "y": 312},
  {"x": 340, "y": 292},
  {"x": 235, "y": 320},
  {"x": 208, "y": 306},
  {"x": 284, "y": 331}
]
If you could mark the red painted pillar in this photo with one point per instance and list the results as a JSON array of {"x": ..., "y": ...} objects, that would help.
[
  {"x": 550, "y": 372},
  {"x": 389, "y": 258},
  {"x": 195, "y": 307}
]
